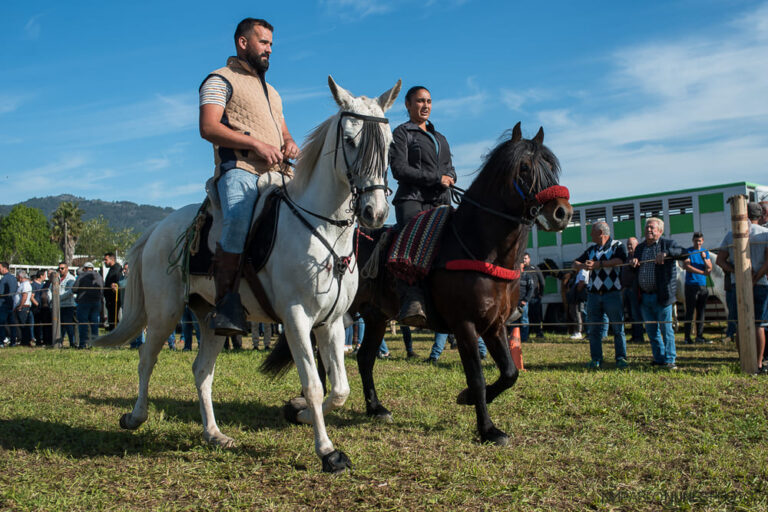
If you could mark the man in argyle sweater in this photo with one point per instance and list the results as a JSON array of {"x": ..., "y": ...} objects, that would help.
[{"x": 603, "y": 260}]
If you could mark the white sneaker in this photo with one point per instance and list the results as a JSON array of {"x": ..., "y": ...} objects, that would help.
[{"x": 576, "y": 336}]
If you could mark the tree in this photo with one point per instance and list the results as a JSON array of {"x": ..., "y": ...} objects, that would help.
[
  {"x": 25, "y": 237},
  {"x": 98, "y": 238},
  {"x": 67, "y": 226}
]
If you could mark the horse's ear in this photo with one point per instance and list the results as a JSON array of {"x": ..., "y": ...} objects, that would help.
[
  {"x": 387, "y": 99},
  {"x": 342, "y": 96},
  {"x": 539, "y": 138},
  {"x": 517, "y": 133}
]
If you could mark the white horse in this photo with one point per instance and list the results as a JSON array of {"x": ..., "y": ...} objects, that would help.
[
  {"x": 342, "y": 169},
  {"x": 717, "y": 289}
]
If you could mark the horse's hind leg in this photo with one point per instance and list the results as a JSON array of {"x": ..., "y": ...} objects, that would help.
[
  {"x": 203, "y": 369},
  {"x": 499, "y": 349},
  {"x": 466, "y": 336},
  {"x": 375, "y": 327},
  {"x": 159, "y": 327}
]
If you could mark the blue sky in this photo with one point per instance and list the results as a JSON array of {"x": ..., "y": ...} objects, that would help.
[{"x": 99, "y": 99}]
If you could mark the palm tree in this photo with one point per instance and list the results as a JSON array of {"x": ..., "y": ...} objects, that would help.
[{"x": 67, "y": 225}]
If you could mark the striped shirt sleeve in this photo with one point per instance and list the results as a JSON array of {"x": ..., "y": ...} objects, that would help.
[{"x": 215, "y": 90}]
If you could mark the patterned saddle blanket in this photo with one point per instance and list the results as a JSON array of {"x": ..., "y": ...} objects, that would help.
[{"x": 415, "y": 246}]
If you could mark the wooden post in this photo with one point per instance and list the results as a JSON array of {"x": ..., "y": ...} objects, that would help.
[
  {"x": 56, "y": 341},
  {"x": 743, "y": 276}
]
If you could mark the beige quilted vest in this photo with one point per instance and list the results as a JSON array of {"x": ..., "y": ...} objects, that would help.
[{"x": 248, "y": 111}]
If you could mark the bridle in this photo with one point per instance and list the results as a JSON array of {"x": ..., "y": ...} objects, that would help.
[
  {"x": 354, "y": 204},
  {"x": 536, "y": 202}
]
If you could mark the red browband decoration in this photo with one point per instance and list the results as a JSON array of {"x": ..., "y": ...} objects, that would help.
[
  {"x": 484, "y": 267},
  {"x": 554, "y": 192}
]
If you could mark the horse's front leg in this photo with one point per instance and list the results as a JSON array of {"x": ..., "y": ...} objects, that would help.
[
  {"x": 297, "y": 329},
  {"x": 203, "y": 369},
  {"x": 330, "y": 347},
  {"x": 498, "y": 346},
  {"x": 466, "y": 337},
  {"x": 375, "y": 327}
]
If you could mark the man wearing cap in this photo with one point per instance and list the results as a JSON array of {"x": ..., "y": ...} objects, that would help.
[
  {"x": 242, "y": 116},
  {"x": 89, "y": 292},
  {"x": 758, "y": 253}
]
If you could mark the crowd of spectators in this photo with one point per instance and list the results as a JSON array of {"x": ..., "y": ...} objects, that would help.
[{"x": 611, "y": 284}]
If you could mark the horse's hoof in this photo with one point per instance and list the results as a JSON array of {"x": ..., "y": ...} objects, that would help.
[
  {"x": 496, "y": 437},
  {"x": 336, "y": 462},
  {"x": 465, "y": 398},
  {"x": 380, "y": 414},
  {"x": 220, "y": 440},
  {"x": 293, "y": 407},
  {"x": 127, "y": 424}
]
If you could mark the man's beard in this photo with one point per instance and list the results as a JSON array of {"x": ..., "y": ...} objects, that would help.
[{"x": 259, "y": 62}]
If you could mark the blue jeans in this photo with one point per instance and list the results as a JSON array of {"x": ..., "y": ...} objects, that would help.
[
  {"x": 607, "y": 304},
  {"x": 631, "y": 299},
  {"x": 6, "y": 318},
  {"x": 658, "y": 325},
  {"x": 730, "y": 301},
  {"x": 188, "y": 324},
  {"x": 407, "y": 339},
  {"x": 88, "y": 314},
  {"x": 524, "y": 328},
  {"x": 68, "y": 324},
  {"x": 439, "y": 345},
  {"x": 760, "y": 299},
  {"x": 237, "y": 194},
  {"x": 139, "y": 341}
]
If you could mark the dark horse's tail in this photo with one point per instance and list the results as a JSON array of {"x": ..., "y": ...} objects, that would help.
[{"x": 279, "y": 360}]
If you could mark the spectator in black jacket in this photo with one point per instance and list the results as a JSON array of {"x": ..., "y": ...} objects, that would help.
[
  {"x": 89, "y": 291},
  {"x": 655, "y": 279},
  {"x": 111, "y": 298}
]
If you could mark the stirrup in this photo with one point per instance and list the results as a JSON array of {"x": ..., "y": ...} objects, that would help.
[{"x": 229, "y": 318}]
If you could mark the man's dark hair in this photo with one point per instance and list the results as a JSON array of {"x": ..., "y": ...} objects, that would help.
[
  {"x": 245, "y": 27},
  {"x": 110, "y": 254},
  {"x": 698, "y": 234},
  {"x": 526, "y": 254},
  {"x": 4, "y": 264},
  {"x": 63, "y": 263},
  {"x": 413, "y": 90}
]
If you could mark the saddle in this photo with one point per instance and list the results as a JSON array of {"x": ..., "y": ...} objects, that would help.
[{"x": 207, "y": 226}]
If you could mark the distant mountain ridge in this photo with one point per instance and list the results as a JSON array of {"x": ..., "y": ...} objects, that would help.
[{"x": 120, "y": 214}]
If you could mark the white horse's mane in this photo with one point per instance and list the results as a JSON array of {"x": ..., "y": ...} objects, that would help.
[{"x": 311, "y": 152}]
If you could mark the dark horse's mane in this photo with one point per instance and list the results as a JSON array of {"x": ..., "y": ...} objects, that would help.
[{"x": 503, "y": 164}]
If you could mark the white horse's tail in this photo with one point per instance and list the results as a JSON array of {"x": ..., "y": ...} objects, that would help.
[{"x": 134, "y": 313}]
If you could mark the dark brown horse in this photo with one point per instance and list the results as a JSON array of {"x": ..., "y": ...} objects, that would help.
[{"x": 516, "y": 187}]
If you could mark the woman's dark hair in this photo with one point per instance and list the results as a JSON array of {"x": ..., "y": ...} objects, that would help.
[{"x": 413, "y": 90}]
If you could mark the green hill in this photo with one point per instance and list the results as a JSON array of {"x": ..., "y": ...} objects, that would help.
[{"x": 120, "y": 214}]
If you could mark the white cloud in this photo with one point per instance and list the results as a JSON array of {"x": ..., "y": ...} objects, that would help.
[
  {"x": 11, "y": 102},
  {"x": 697, "y": 115},
  {"x": 351, "y": 10},
  {"x": 515, "y": 100},
  {"x": 296, "y": 95},
  {"x": 32, "y": 27}
]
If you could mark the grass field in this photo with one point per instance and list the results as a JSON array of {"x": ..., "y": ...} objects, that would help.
[{"x": 641, "y": 439}]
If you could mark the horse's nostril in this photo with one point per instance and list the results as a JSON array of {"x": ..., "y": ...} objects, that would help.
[
  {"x": 560, "y": 213},
  {"x": 368, "y": 212}
]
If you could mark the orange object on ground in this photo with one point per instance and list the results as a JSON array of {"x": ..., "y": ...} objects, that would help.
[{"x": 516, "y": 349}]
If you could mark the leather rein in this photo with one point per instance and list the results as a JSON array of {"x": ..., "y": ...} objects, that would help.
[{"x": 478, "y": 265}]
